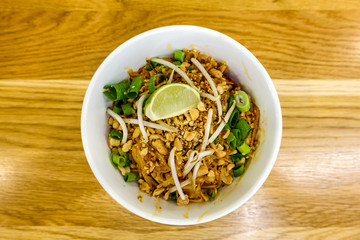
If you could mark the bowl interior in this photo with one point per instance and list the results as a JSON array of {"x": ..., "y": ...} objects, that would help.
[{"x": 243, "y": 66}]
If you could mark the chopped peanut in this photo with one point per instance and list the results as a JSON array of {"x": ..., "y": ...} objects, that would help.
[
  {"x": 226, "y": 134},
  {"x": 159, "y": 145},
  {"x": 114, "y": 142},
  {"x": 189, "y": 136},
  {"x": 181, "y": 202},
  {"x": 127, "y": 146},
  {"x": 215, "y": 73},
  {"x": 136, "y": 132},
  {"x": 178, "y": 144},
  {"x": 220, "y": 154},
  {"x": 201, "y": 106},
  {"x": 194, "y": 113}
]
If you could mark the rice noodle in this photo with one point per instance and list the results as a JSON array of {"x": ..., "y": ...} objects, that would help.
[
  {"x": 140, "y": 116},
  {"x": 150, "y": 124},
  {"x": 184, "y": 76},
  {"x": 121, "y": 122},
  {"x": 174, "y": 174},
  {"x": 171, "y": 75},
  {"x": 211, "y": 82},
  {"x": 182, "y": 184},
  {"x": 222, "y": 124}
]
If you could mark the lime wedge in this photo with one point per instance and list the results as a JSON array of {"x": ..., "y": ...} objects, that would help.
[{"x": 171, "y": 100}]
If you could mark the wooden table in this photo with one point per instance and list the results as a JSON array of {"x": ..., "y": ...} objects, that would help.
[{"x": 49, "y": 51}]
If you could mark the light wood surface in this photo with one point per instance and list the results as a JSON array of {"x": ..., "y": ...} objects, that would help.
[{"x": 49, "y": 51}]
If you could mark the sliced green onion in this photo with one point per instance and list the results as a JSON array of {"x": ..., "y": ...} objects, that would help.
[
  {"x": 239, "y": 170},
  {"x": 179, "y": 55},
  {"x": 173, "y": 196},
  {"x": 242, "y": 101},
  {"x": 177, "y": 63},
  {"x": 131, "y": 177},
  {"x": 163, "y": 66},
  {"x": 234, "y": 118},
  {"x": 149, "y": 67},
  {"x": 124, "y": 160},
  {"x": 134, "y": 88},
  {"x": 119, "y": 158},
  {"x": 231, "y": 100},
  {"x": 154, "y": 63},
  {"x": 127, "y": 109},
  {"x": 151, "y": 84},
  {"x": 244, "y": 148},
  {"x": 115, "y": 135},
  {"x": 210, "y": 193},
  {"x": 237, "y": 157},
  {"x": 113, "y": 161},
  {"x": 244, "y": 128},
  {"x": 117, "y": 110},
  {"x": 231, "y": 140},
  {"x": 116, "y": 92},
  {"x": 226, "y": 127}
]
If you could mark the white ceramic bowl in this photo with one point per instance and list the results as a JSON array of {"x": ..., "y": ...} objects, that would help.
[{"x": 244, "y": 67}]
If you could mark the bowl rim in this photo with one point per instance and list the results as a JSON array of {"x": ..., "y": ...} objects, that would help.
[{"x": 277, "y": 135}]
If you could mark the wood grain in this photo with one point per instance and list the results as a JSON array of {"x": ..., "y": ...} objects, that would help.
[
  {"x": 195, "y": 5},
  {"x": 72, "y": 44},
  {"x": 49, "y": 51},
  {"x": 48, "y": 190}
]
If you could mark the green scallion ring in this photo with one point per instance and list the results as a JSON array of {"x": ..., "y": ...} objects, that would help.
[
  {"x": 244, "y": 128},
  {"x": 231, "y": 140},
  {"x": 244, "y": 148},
  {"x": 179, "y": 55},
  {"x": 154, "y": 63},
  {"x": 242, "y": 101},
  {"x": 151, "y": 84},
  {"x": 149, "y": 67},
  {"x": 127, "y": 109},
  {"x": 134, "y": 88},
  {"x": 116, "y": 92},
  {"x": 131, "y": 177},
  {"x": 234, "y": 118},
  {"x": 210, "y": 194},
  {"x": 239, "y": 170},
  {"x": 117, "y": 110},
  {"x": 115, "y": 135}
]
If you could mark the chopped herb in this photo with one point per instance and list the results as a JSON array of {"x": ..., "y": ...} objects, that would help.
[
  {"x": 134, "y": 88},
  {"x": 210, "y": 193},
  {"x": 116, "y": 92},
  {"x": 242, "y": 101},
  {"x": 244, "y": 148},
  {"x": 131, "y": 177},
  {"x": 151, "y": 84},
  {"x": 179, "y": 55},
  {"x": 115, "y": 135},
  {"x": 127, "y": 109},
  {"x": 149, "y": 67},
  {"x": 239, "y": 170},
  {"x": 117, "y": 110}
]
